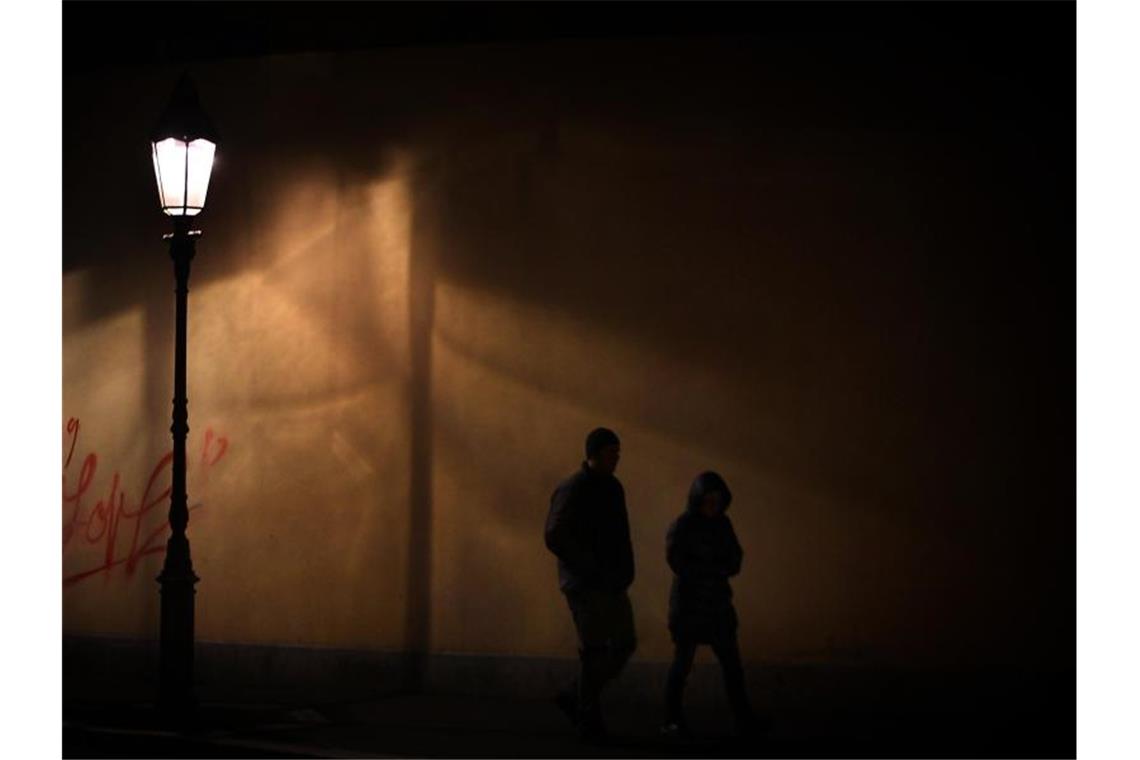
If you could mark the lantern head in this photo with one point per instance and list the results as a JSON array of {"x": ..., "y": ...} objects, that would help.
[{"x": 183, "y": 146}]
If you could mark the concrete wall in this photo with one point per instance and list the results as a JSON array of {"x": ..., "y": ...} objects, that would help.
[{"x": 426, "y": 274}]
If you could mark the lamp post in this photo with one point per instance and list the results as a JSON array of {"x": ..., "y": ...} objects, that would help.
[{"x": 183, "y": 146}]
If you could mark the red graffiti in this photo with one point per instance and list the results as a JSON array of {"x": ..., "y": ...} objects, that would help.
[
  {"x": 127, "y": 531},
  {"x": 223, "y": 444},
  {"x": 73, "y": 429}
]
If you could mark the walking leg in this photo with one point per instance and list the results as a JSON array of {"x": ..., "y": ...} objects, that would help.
[
  {"x": 727, "y": 651},
  {"x": 683, "y": 654},
  {"x": 592, "y": 676}
]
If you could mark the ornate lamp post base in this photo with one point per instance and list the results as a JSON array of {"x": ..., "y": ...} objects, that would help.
[{"x": 176, "y": 637}]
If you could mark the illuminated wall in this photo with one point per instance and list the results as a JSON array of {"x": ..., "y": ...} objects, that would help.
[{"x": 425, "y": 275}]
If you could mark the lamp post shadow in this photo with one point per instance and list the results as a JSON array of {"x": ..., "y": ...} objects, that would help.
[{"x": 421, "y": 318}]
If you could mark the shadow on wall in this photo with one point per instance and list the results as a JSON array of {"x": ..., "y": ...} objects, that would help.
[
  {"x": 835, "y": 315},
  {"x": 299, "y": 348},
  {"x": 421, "y": 319}
]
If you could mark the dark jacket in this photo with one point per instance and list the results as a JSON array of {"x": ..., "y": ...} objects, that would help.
[
  {"x": 703, "y": 553},
  {"x": 587, "y": 528}
]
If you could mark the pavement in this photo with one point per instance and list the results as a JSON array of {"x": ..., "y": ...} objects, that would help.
[
  {"x": 427, "y": 725},
  {"x": 393, "y": 726}
]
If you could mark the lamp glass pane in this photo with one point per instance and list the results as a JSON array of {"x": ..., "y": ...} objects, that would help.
[
  {"x": 183, "y": 174},
  {"x": 170, "y": 173},
  {"x": 201, "y": 158}
]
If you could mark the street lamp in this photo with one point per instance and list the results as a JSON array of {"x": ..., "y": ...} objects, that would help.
[{"x": 183, "y": 146}]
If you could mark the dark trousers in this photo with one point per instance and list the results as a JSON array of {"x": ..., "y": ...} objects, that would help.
[
  {"x": 606, "y": 641},
  {"x": 727, "y": 651}
]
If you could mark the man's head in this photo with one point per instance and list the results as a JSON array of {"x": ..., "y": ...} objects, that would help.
[{"x": 603, "y": 450}]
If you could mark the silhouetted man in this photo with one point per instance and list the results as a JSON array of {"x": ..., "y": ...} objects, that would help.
[{"x": 588, "y": 529}]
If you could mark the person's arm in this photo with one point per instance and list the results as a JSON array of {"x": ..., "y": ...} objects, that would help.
[
  {"x": 690, "y": 557},
  {"x": 562, "y": 534},
  {"x": 680, "y": 552},
  {"x": 628, "y": 570},
  {"x": 735, "y": 554}
]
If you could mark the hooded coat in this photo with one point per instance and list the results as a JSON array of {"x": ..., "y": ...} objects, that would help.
[
  {"x": 587, "y": 528},
  {"x": 703, "y": 553}
]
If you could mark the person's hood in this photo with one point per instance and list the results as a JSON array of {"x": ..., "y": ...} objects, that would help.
[{"x": 703, "y": 484}]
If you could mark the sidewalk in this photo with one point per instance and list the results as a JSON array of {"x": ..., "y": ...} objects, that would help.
[
  {"x": 457, "y": 726},
  {"x": 397, "y": 726},
  {"x": 259, "y": 701}
]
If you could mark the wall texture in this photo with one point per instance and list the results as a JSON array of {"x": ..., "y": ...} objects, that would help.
[{"x": 846, "y": 283}]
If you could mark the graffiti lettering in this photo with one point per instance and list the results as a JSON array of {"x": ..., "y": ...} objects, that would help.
[{"x": 125, "y": 532}]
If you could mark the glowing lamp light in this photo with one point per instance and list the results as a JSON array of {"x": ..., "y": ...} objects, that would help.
[{"x": 183, "y": 147}]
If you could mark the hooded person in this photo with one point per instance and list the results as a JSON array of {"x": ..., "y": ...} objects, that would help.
[
  {"x": 587, "y": 528},
  {"x": 702, "y": 550}
]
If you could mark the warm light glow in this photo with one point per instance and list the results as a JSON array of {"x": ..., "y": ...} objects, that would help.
[{"x": 183, "y": 174}]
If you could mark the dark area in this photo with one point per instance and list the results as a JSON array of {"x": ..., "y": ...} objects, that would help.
[
  {"x": 147, "y": 33},
  {"x": 962, "y": 39},
  {"x": 309, "y": 700},
  {"x": 437, "y": 725}
]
